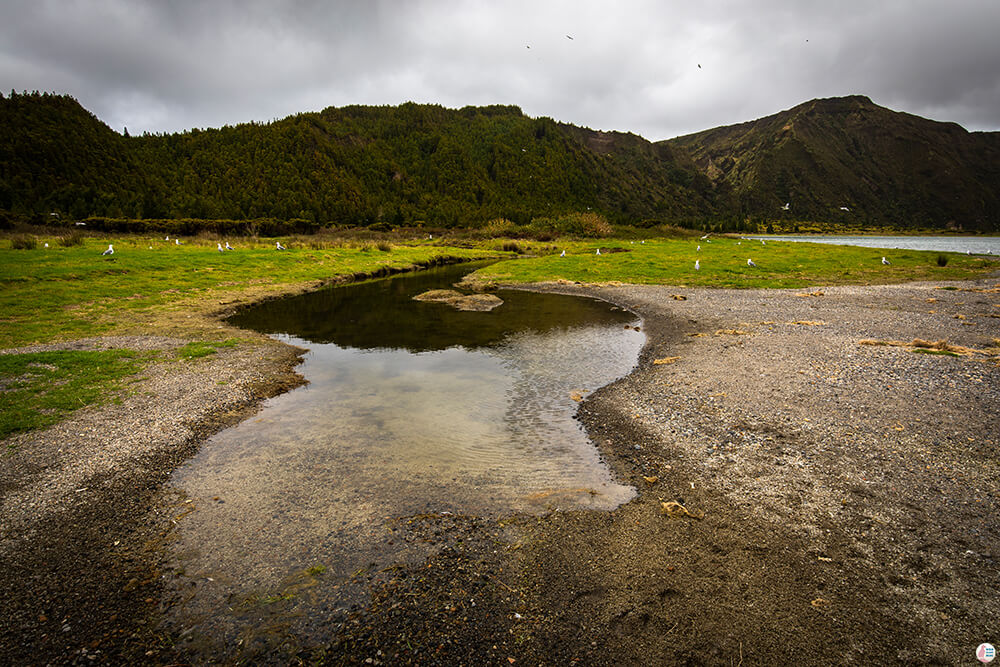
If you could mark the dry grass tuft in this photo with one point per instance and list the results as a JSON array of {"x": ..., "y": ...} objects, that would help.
[{"x": 665, "y": 360}]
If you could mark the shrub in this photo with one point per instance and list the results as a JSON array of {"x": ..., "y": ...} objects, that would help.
[
  {"x": 71, "y": 239},
  {"x": 384, "y": 246},
  {"x": 499, "y": 227},
  {"x": 511, "y": 246},
  {"x": 942, "y": 260},
  {"x": 23, "y": 242}
]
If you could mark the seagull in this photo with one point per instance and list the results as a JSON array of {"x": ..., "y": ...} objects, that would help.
[
  {"x": 699, "y": 248},
  {"x": 563, "y": 254},
  {"x": 166, "y": 238},
  {"x": 785, "y": 207},
  {"x": 739, "y": 243},
  {"x": 229, "y": 247},
  {"x": 750, "y": 263},
  {"x": 844, "y": 208},
  {"x": 109, "y": 251},
  {"x": 177, "y": 241},
  {"x": 697, "y": 265},
  {"x": 705, "y": 236},
  {"x": 568, "y": 37},
  {"x": 885, "y": 261},
  {"x": 46, "y": 245},
  {"x": 277, "y": 245},
  {"x": 762, "y": 242},
  {"x": 642, "y": 243},
  {"x": 598, "y": 251},
  {"x": 219, "y": 246},
  {"x": 699, "y": 65}
]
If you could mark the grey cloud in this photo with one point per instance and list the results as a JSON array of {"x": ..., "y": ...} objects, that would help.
[{"x": 631, "y": 66}]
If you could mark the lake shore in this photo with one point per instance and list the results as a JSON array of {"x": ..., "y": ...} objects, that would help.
[{"x": 827, "y": 501}]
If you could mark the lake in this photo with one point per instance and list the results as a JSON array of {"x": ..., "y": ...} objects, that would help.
[
  {"x": 411, "y": 408},
  {"x": 977, "y": 245}
]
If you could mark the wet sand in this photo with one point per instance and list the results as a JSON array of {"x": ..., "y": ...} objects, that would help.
[{"x": 840, "y": 504}]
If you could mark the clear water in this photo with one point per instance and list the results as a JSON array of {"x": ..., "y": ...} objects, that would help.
[
  {"x": 977, "y": 245},
  {"x": 411, "y": 407}
]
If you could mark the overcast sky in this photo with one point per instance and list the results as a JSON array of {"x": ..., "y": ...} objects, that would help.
[{"x": 659, "y": 69}]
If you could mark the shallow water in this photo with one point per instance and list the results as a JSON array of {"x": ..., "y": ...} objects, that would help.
[
  {"x": 411, "y": 408},
  {"x": 977, "y": 245}
]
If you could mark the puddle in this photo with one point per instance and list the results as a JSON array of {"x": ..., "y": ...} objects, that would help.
[{"x": 411, "y": 408}]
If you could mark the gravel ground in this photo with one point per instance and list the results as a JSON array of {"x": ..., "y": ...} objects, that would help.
[{"x": 834, "y": 502}]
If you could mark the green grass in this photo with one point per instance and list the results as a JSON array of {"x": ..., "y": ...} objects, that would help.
[
  {"x": 724, "y": 264},
  {"x": 41, "y": 388},
  {"x": 62, "y": 293},
  {"x": 198, "y": 349}
]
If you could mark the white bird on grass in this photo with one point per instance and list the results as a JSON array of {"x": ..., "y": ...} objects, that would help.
[
  {"x": 277, "y": 245},
  {"x": 177, "y": 241},
  {"x": 699, "y": 248},
  {"x": 697, "y": 265},
  {"x": 563, "y": 254},
  {"x": 229, "y": 247},
  {"x": 109, "y": 251},
  {"x": 762, "y": 242},
  {"x": 750, "y": 263},
  {"x": 219, "y": 246},
  {"x": 46, "y": 245},
  {"x": 598, "y": 251},
  {"x": 885, "y": 261},
  {"x": 166, "y": 238}
]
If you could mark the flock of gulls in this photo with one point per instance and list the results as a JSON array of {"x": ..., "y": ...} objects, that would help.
[{"x": 219, "y": 246}]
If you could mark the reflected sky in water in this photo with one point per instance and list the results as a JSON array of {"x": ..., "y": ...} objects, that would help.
[{"x": 411, "y": 407}]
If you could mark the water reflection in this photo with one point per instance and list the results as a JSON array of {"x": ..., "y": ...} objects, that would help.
[{"x": 411, "y": 407}]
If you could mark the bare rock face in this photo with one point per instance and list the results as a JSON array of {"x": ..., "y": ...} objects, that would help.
[{"x": 477, "y": 302}]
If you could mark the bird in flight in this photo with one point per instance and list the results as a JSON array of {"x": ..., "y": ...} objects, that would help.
[{"x": 568, "y": 37}]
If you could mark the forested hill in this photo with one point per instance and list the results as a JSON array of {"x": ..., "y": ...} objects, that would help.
[
  {"x": 353, "y": 165},
  {"x": 828, "y": 155}
]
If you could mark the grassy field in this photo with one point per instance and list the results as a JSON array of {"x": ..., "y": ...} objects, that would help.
[
  {"x": 723, "y": 263},
  {"x": 154, "y": 286},
  {"x": 41, "y": 388}
]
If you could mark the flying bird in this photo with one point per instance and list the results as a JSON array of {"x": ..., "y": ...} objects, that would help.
[
  {"x": 706, "y": 236},
  {"x": 885, "y": 261},
  {"x": 844, "y": 208},
  {"x": 697, "y": 265},
  {"x": 278, "y": 246},
  {"x": 699, "y": 65},
  {"x": 109, "y": 251},
  {"x": 750, "y": 263},
  {"x": 786, "y": 206},
  {"x": 568, "y": 37}
]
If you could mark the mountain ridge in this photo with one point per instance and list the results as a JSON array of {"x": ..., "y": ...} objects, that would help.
[{"x": 841, "y": 161}]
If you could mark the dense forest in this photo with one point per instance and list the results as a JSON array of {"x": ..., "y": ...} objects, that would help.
[
  {"x": 357, "y": 165},
  {"x": 844, "y": 161}
]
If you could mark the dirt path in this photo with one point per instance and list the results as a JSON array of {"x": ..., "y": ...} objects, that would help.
[{"x": 839, "y": 503}]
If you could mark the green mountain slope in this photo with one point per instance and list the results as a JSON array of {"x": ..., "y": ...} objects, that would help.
[
  {"x": 886, "y": 167},
  {"x": 351, "y": 165}
]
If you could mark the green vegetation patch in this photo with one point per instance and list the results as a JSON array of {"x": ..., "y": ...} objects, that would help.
[
  {"x": 41, "y": 388},
  {"x": 722, "y": 262},
  {"x": 198, "y": 349}
]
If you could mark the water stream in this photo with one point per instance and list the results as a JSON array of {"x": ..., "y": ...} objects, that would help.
[{"x": 411, "y": 407}]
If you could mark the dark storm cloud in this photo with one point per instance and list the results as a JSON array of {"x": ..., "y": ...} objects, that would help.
[{"x": 632, "y": 66}]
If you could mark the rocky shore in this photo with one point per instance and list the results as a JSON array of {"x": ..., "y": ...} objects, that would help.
[{"x": 839, "y": 500}]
